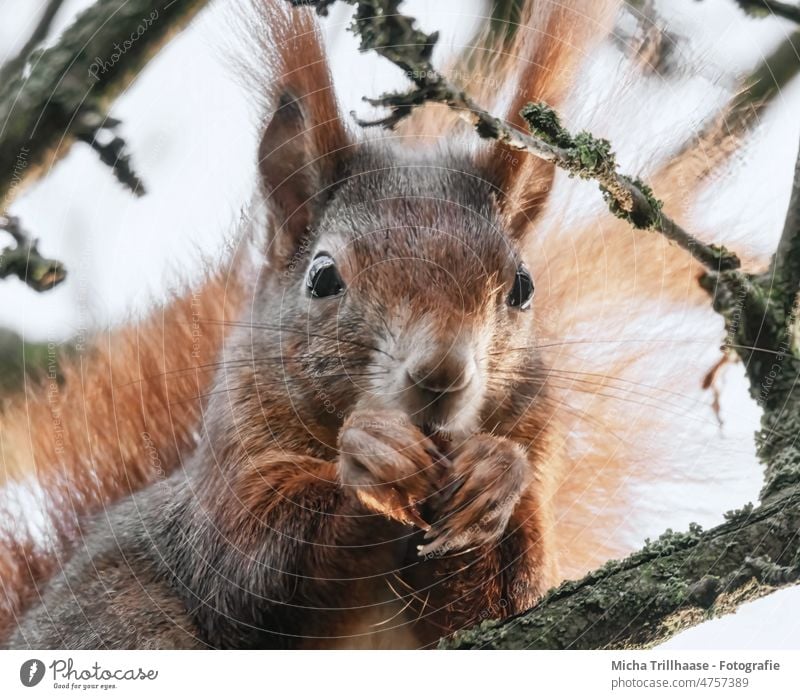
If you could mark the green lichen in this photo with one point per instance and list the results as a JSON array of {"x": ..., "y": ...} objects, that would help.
[
  {"x": 643, "y": 214},
  {"x": 544, "y": 122},
  {"x": 591, "y": 157},
  {"x": 739, "y": 516}
]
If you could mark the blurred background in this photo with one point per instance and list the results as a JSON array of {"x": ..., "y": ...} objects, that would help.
[{"x": 191, "y": 120}]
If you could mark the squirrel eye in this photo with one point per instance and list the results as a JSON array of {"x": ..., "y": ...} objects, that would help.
[
  {"x": 522, "y": 291},
  {"x": 323, "y": 278}
]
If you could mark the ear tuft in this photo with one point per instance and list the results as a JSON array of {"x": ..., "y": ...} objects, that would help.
[
  {"x": 548, "y": 47},
  {"x": 302, "y": 151}
]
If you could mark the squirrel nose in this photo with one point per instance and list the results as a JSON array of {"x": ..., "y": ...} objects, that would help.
[{"x": 447, "y": 373}]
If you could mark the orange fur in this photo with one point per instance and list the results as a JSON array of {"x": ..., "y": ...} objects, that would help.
[{"x": 117, "y": 417}]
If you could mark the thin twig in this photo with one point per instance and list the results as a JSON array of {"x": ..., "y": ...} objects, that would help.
[
  {"x": 394, "y": 36},
  {"x": 765, "y": 8},
  {"x": 24, "y": 260},
  {"x": 786, "y": 262}
]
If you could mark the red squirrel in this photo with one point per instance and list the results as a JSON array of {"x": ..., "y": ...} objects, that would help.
[{"x": 355, "y": 441}]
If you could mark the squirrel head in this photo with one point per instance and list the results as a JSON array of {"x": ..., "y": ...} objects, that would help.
[{"x": 392, "y": 279}]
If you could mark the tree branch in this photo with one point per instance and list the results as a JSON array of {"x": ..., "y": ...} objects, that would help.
[
  {"x": 786, "y": 262},
  {"x": 46, "y": 104},
  {"x": 765, "y": 8}
]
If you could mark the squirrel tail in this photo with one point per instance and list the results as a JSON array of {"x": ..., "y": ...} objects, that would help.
[{"x": 108, "y": 419}]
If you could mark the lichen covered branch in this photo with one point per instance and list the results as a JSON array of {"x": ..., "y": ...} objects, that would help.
[
  {"x": 39, "y": 34},
  {"x": 395, "y": 36},
  {"x": 767, "y": 8}
]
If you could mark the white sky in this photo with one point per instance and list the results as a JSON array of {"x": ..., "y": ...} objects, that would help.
[{"x": 191, "y": 131}]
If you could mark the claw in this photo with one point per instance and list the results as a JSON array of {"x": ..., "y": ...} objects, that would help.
[
  {"x": 412, "y": 512},
  {"x": 440, "y": 542}
]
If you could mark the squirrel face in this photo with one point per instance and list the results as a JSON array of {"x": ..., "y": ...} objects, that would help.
[
  {"x": 393, "y": 281},
  {"x": 406, "y": 293}
]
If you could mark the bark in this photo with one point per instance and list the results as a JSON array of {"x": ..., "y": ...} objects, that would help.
[
  {"x": 675, "y": 582},
  {"x": 63, "y": 92}
]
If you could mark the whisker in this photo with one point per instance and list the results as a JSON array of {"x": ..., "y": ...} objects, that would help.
[
  {"x": 244, "y": 362},
  {"x": 302, "y": 331},
  {"x": 550, "y": 378},
  {"x": 257, "y": 385}
]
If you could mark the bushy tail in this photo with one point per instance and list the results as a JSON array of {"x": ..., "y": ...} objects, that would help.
[{"x": 118, "y": 415}]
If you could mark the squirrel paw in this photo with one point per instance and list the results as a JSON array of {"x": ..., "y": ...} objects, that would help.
[
  {"x": 389, "y": 462},
  {"x": 484, "y": 485}
]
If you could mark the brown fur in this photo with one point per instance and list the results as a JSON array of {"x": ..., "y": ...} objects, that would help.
[{"x": 117, "y": 417}]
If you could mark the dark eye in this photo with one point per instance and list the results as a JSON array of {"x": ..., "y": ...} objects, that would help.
[
  {"x": 522, "y": 292},
  {"x": 323, "y": 277}
]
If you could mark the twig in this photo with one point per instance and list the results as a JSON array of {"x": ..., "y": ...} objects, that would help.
[
  {"x": 651, "y": 46},
  {"x": 39, "y": 34},
  {"x": 765, "y": 8},
  {"x": 24, "y": 260},
  {"x": 395, "y": 37},
  {"x": 43, "y": 108}
]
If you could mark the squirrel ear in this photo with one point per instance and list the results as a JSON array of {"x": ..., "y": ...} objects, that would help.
[
  {"x": 522, "y": 185},
  {"x": 540, "y": 63},
  {"x": 299, "y": 158},
  {"x": 305, "y": 141}
]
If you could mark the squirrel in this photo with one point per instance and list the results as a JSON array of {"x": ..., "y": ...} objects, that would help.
[{"x": 357, "y": 440}]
